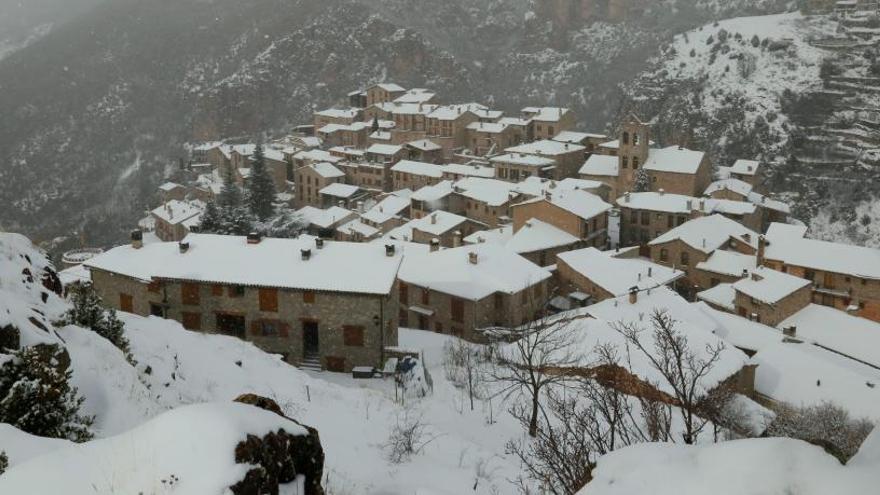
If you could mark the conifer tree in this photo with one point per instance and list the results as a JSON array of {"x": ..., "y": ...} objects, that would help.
[
  {"x": 210, "y": 219},
  {"x": 375, "y": 126},
  {"x": 642, "y": 182},
  {"x": 230, "y": 195},
  {"x": 36, "y": 396},
  {"x": 86, "y": 311},
  {"x": 261, "y": 187}
]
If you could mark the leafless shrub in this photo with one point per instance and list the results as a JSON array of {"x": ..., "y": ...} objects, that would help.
[
  {"x": 409, "y": 436},
  {"x": 826, "y": 425}
]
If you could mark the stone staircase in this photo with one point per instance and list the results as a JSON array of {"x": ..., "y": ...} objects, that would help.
[{"x": 311, "y": 362}]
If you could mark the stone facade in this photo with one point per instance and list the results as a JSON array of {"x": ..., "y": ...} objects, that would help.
[
  {"x": 349, "y": 332},
  {"x": 594, "y": 230},
  {"x": 772, "y": 314},
  {"x": 681, "y": 256},
  {"x": 308, "y": 183}
]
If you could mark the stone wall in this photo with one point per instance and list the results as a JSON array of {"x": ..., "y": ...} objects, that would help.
[{"x": 773, "y": 314}]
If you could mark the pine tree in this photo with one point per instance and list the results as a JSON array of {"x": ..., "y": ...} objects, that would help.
[
  {"x": 261, "y": 187},
  {"x": 375, "y": 126},
  {"x": 86, "y": 311},
  {"x": 230, "y": 195},
  {"x": 210, "y": 219},
  {"x": 36, "y": 396},
  {"x": 642, "y": 182}
]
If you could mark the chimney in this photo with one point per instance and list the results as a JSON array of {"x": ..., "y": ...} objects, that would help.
[
  {"x": 690, "y": 205},
  {"x": 319, "y": 243},
  {"x": 360, "y": 206},
  {"x": 650, "y": 270},
  {"x": 756, "y": 277},
  {"x": 473, "y": 258},
  {"x": 254, "y": 238},
  {"x": 661, "y": 191},
  {"x": 626, "y": 197},
  {"x": 183, "y": 247},
  {"x": 435, "y": 244},
  {"x": 762, "y": 246},
  {"x": 640, "y": 277},
  {"x": 456, "y": 238},
  {"x": 306, "y": 254},
  {"x": 704, "y": 243},
  {"x": 633, "y": 295},
  {"x": 702, "y": 204},
  {"x": 390, "y": 250},
  {"x": 790, "y": 331},
  {"x": 747, "y": 237},
  {"x": 340, "y": 203},
  {"x": 548, "y": 195},
  {"x": 137, "y": 239},
  {"x": 745, "y": 273}
]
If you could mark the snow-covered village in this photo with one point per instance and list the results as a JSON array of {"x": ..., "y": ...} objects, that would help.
[{"x": 407, "y": 288}]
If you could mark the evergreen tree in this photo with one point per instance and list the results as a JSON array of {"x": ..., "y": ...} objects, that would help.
[
  {"x": 210, "y": 220},
  {"x": 261, "y": 187},
  {"x": 4, "y": 462},
  {"x": 87, "y": 312},
  {"x": 230, "y": 195},
  {"x": 36, "y": 396},
  {"x": 642, "y": 182},
  {"x": 375, "y": 126}
]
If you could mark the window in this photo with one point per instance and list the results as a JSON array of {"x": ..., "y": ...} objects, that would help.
[
  {"x": 685, "y": 258},
  {"x": 625, "y": 139},
  {"x": 438, "y": 327},
  {"x": 404, "y": 293},
  {"x": 635, "y": 163},
  {"x": 625, "y": 162},
  {"x": 267, "y": 328},
  {"x": 635, "y": 217},
  {"x": 189, "y": 293},
  {"x": 635, "y": 139},
  {"x": 664, "y": 254},
  {"x": 646, "y": 218},
  {"x": 236, "y": 291},
  {"x": 269, "y": 300},
  {"x": 309, "y": 297},
  {"x": 157, "y": 310},
  {"x": 669, "y": 220},
  {"x": 426, "y": 296},
  {"x": 126, "y": 303},
  {"x": 550, "y": 130},
  {"x": 192, "y": 321},
  {"x": 810, "y": 275},
  {"x": 353, "y": 335},
  {"x": 457, "y": 308},
  {"x": 217, "y": 290},
  {"x": 153, "y": 286}
]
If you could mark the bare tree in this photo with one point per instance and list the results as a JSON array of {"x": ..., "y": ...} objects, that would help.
[
  {"x": 682, "y": 369},
  {"x": 539, "y": 357},
  {"x": 461, "y": 364},
  {"x": 409, "y": 436}
]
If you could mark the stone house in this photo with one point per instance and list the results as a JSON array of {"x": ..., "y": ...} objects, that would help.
[
  {"x": 547, "y": 122},
  {"x": 386, "y": 154},
  {"x": 323, "y": 223},
  {"x": 437, "y": 197},
  {"x": 688, "y": 245},
  {"x": 416, "y": 95},
  {"x": 723, "y": 267},
  {"x": 357, "y": 99},
  {"x": 314, "y": 302},
  {"x": 843, "y": 276},
  {"x": 605, "y": 169},
  {"x": 485, "y": 200},
  {"x": 343, "y": 195},
  {"x": 579, "y": 213},
  {"x": 676, "y": 170},
  {"x": 540, "y": 242},
  {"x": 171, "y": 190},
  {"x": 515, "y": 167},
  {"x": 410, "y": 122},
  {"x": 447, "y": 228},
  {"x": 463, "y": 290},
  {"x": 311, "y": 179},
  {"x": 383, "y": 93},
  {"x": 749, "y": 171},
  {"x": 602, "y": 275},
  {"x": 568, "y": 158},
  {"x": 367, "y": 175},
  {"x": 309, "y": 157},
  {"x": 339, "y": 116},
  {"x": 487, "y": 138},
  {"x": 352, "y": 135},
  {"x": 458, "y": 171},
  {"x": 648, "y": 215},
  {"x": 588, "y": 140},
  {"x": 770, "y": 210},
  {"x": 448, "y": 126},
  {"x": 408, "y": 174},
  {"x": 390, "y": 212},
  {"x": 520, "y": 129},
  {"x": 424, "y": 150},
  {"x": 175, "y": 219},
  {"x": 769, "y": 296}
]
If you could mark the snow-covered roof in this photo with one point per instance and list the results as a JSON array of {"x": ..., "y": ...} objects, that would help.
[
  {"x": 453, "y": 112},
  {"x": 493, "y": 236},
  {"x": 433, "y": 193},
  {"x": 317, "y": 155},
  {"x": 418, "y": 168},
  {"x": 786, "y": 246},
  {"x": 323, "y": 218},
  {"x": 581, "y": 203},
  {"x": 354, "y": 126},
  {"x": 709, "y": 233},
  {"x": 536, "y": 235},
  {"x": 337, "y": 267},
  {"x": 326, "y": 170},
  {"x": 741, "y": 332},
  {"x": 722, "y": 296},
  {"x": 340, "y": 190},
  {"x": 339, "y": 113},
  {"x": 344, "y": 150},
  {"x": 728, "y": 263},
  {"x": 735, "y": 185},
  {"x": 804, "y": 375},
  {"x": 493, "y": 192},
  {"x": 490, "y": 127},
  {"x": 604, "y": 165},
  {"x": 539, "y": 186},
  {"x": 175, "y": 211},
  {"x": 837, "y": 330},
  {"x": 576, "y": 137},
  {"x": 390, "y": 207},
  {"x": 768, "y": 285},
  {"x": 416, "y": 95},
  {"x": 381, "y": 136},
  {"x": 424, "y": 145},
  {"x": 523, "y": 159},
  {"x": 765, "y": 202},
  {"x": 514, "y": 121},
  {"x": 674, "y": 159},
  {"x": 468, "y": 170},
  {"x": 169, "y": 186},
  {"x": 384, "y": 149},
  {"x": 677, "y": 203},
  {"x": 411, "y": 108},
  {"x": 745, "y": 167},
  {"x": 437, "y": 222},
  {"x": 618, "y": 275},
  {"x": 611, "y": 145},
  {"x": 545, "y": 114},
  {"x": 390, "y": 87},
  {"x": 358, "y": 227},
  {"x": 545, "y": 147},
  {"x": 450, "y": 271}
]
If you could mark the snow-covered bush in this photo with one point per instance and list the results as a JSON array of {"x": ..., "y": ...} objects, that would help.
[
  {"x": 36, "y": 396},
  {"x": 826, "y": 425},
  {"x": 4, "y": 462},
  {"x": 86, "y": 311}
]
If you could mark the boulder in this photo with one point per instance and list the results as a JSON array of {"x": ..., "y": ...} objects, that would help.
[{"x": 279, "y": 457}]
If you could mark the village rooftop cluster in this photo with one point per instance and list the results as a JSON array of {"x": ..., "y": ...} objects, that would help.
[{"x": 463, "y": 220}]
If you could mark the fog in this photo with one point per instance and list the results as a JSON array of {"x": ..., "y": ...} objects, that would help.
[{"x": 19, "y": 17}]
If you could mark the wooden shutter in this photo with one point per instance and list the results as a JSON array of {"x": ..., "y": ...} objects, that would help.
[
  {"x": 309, "y": 297},
  {"x": 125, "y": 303},
  {"x": 269, "y": 300},
  {"x": 353, "y": 335},
  {"x": 404, "y": 293},
  {"x": 217, "y": 290},
  {"x": 189, "y": 293},
  {"x": 457, "y": 309}
]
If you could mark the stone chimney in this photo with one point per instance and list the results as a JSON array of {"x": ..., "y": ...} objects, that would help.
[
  {"x": 183, "y": 247},
  {"x": 633, "y": 295},
  {"x": 319, "y": 243},
  {"x": 137, "y": 239},
  {"x": 473, "y": 258},
  {"x": 435, "y": 244},
  {"x": 626, "y": 196},
  {"x": 762, "y": 246},
  {"x": 306, "y": 254},
  {"x": 689, "y": 205},
  {"x": 434, "y": 218},
  {"x": 745, "y": 273},
  {"x": 456, "y": 238},
  {"x": 661, "y": 191},
  {"x": 650, "y": 270},
  {"x": 390, "y": 250},
  {"x": 790, "y": 331},
  {"x": 254, "y": 238},
  {"x": 747, "y": 237},
  {"x": 360, "y": 206}
]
